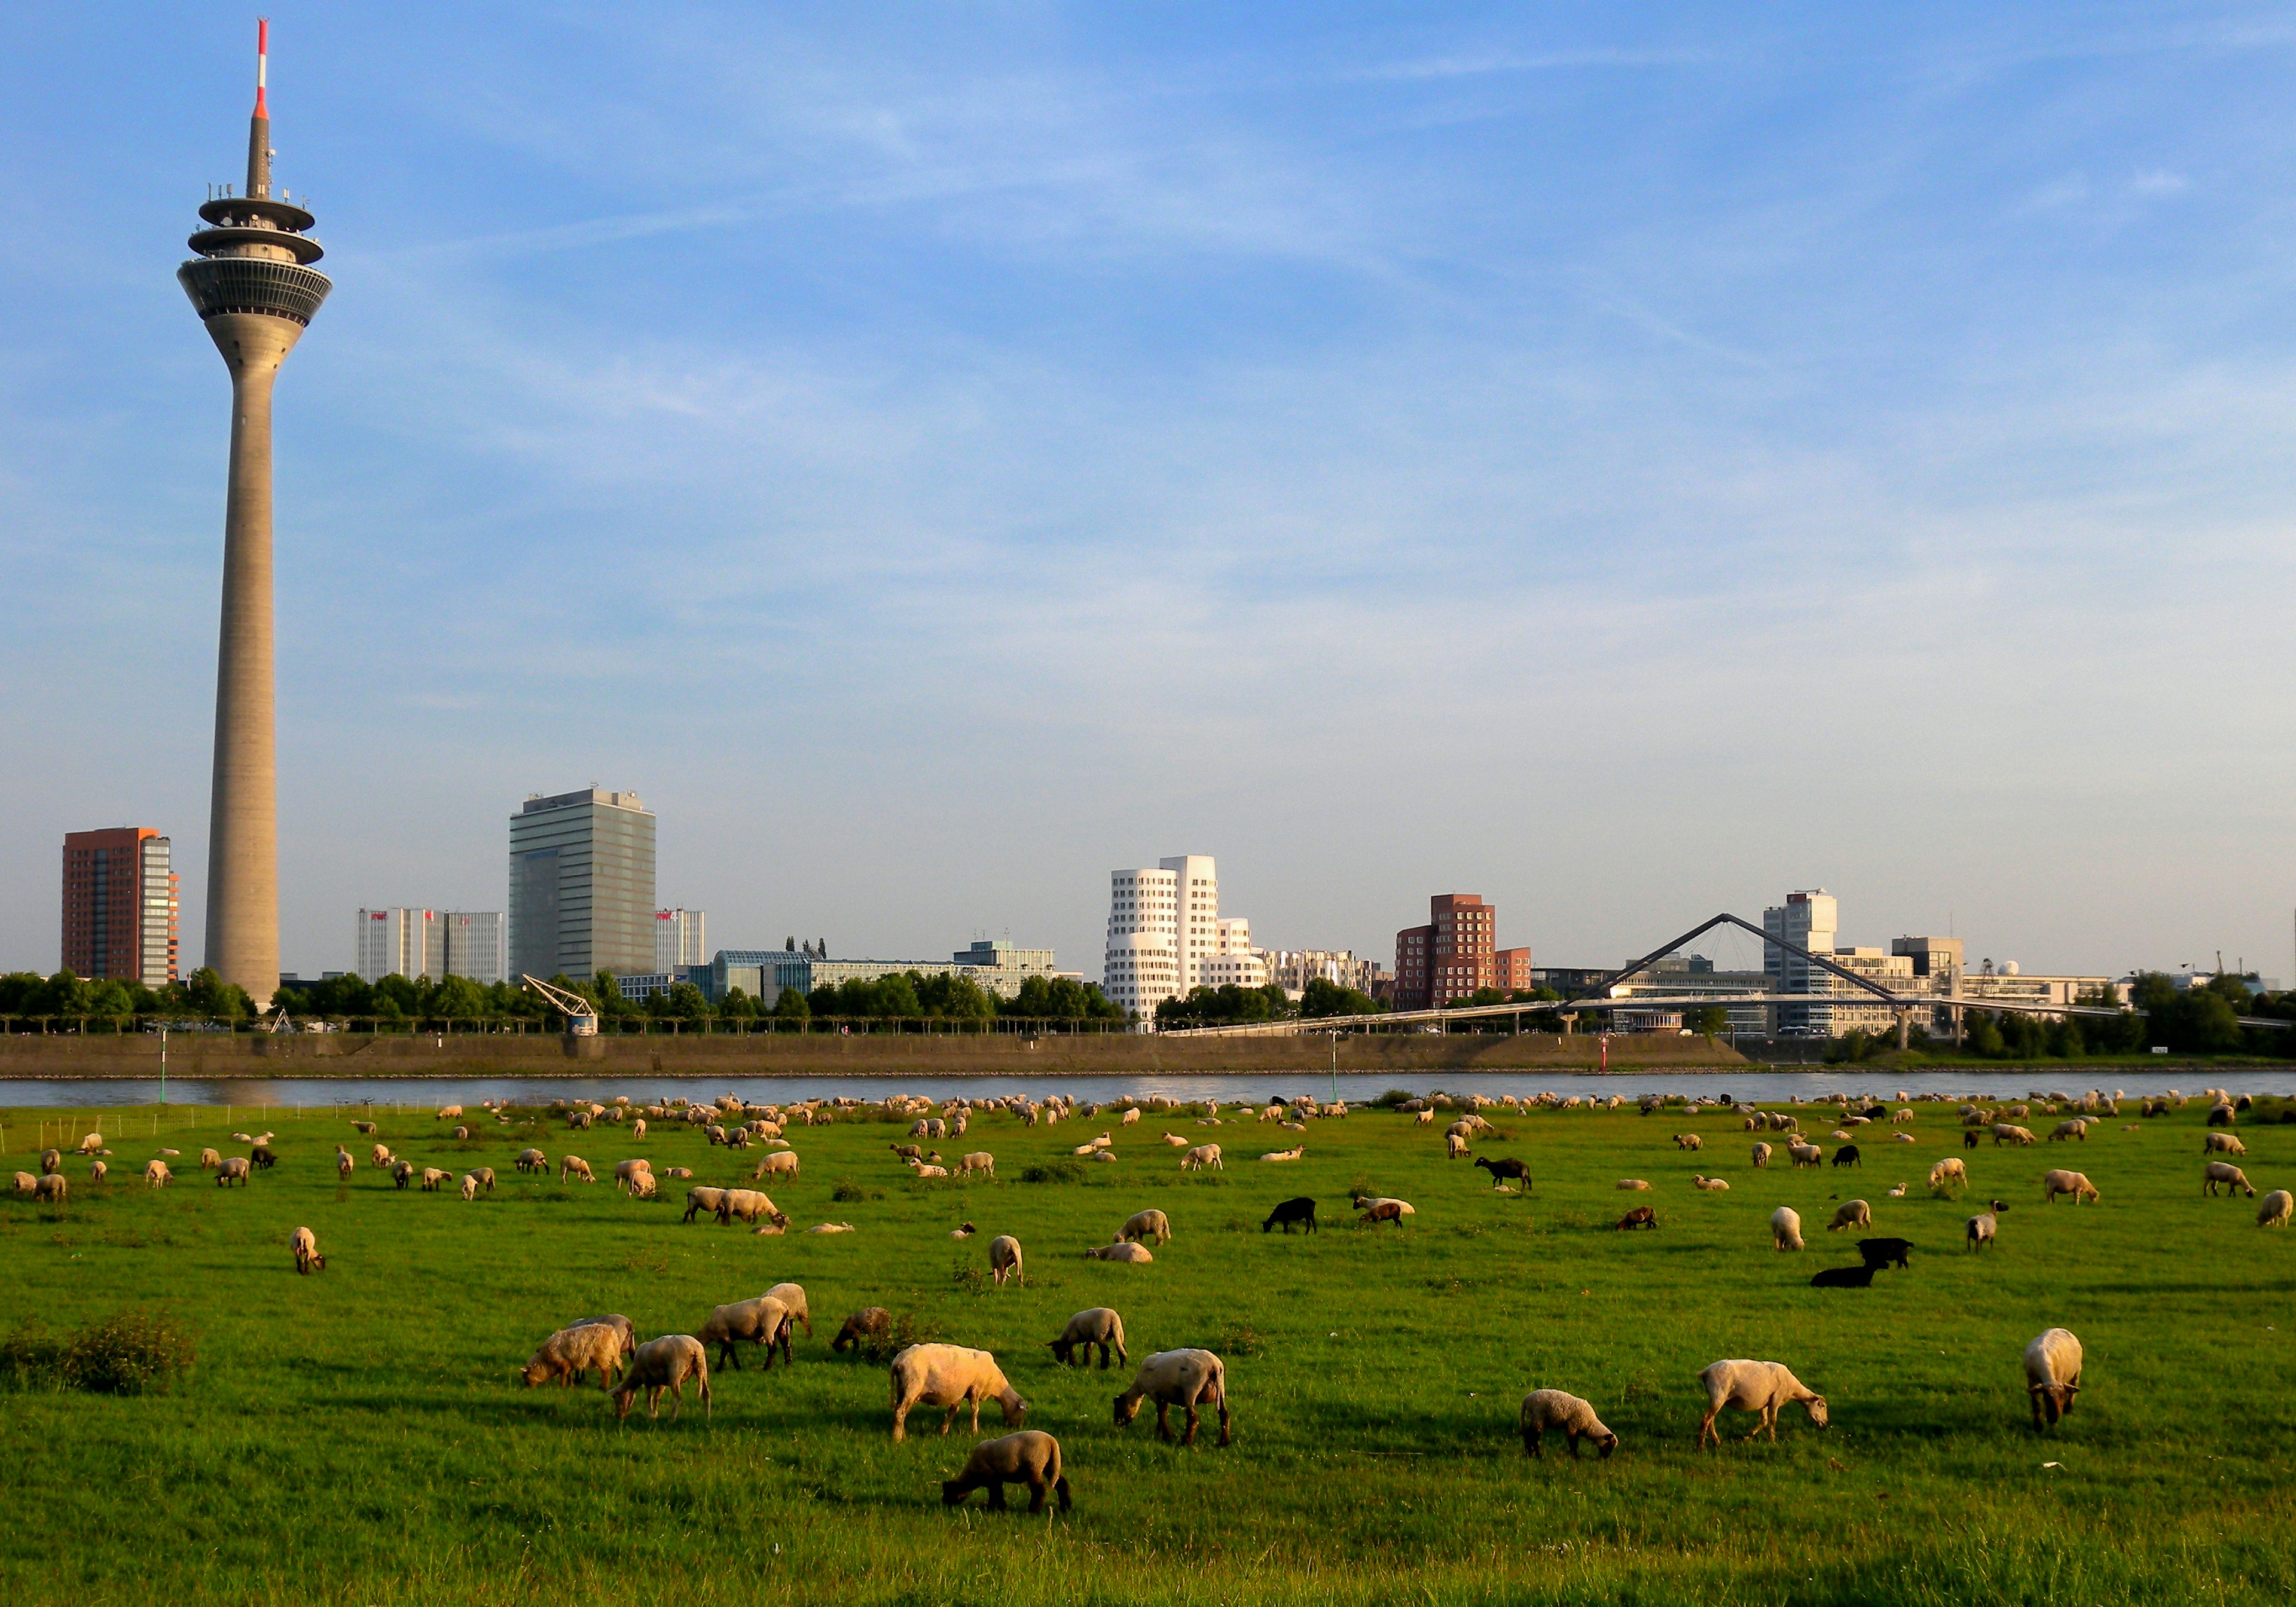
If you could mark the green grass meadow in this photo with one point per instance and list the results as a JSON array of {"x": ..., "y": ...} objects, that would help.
[{"x": 358, "y": 1436}]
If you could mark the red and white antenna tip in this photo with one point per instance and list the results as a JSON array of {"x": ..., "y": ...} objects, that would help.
[{"x": 262, "y": 62}]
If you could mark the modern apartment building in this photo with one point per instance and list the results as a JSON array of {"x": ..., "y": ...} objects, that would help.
[
  {"x": 1293, "y": 968},
  {"x": 1164, "y": 927},
  {"x": 120, "y": 906},
  {"x": 1456, "y": 954},
  {"x": 581, "y": 884},
  {"x": 677, "y": 939},
  {"x": 474, "y": 939},
  {"x": 999, "y": 967},
  {"x": 399, "y": 943},
  {"x": 1810, "y": 921}
]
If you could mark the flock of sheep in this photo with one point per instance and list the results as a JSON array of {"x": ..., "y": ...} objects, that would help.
[{"x": 956, "y": 1378}]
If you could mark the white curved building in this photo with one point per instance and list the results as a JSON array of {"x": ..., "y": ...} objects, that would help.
[{"x": 1166, "y": 937}]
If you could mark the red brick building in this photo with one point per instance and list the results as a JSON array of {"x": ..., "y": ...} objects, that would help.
[
  {"x": 120, "y": 906},
  {"x": 1456, "y": 954}
]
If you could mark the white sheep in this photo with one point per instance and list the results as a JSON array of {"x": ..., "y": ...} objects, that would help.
[
  {"x": 432, "y": 1177},
  {"x": 1688, "y": 1141},
  {"x": 625, "y": 1170},
  {"x": 1004, "y": 1260},
  {"x": 2278, "y": 1206},
  {"x": 156, "y": 1173},
  {"x": 981, "y": 1162},
  {"x": 763, "y": 1321},
  {"x": 2057, "y": 1182},
  {"x": 1785, "y": 1228},
  {"x": 666, "y": 1364},
  {"x": 777, "y": 1163},
  {"x": 96, "y": 1171},
  {"x": 951, "y": 1376},
  {"x": 1144, "y": 1225},
  {"x": 571, "y": 1352},
  {"x": 1101, "y": 1327},
  {"x": 2053, "y": 1372},
  {"x": 2222, "y": 1144},
  {"x": 1751, "y": 1386},
  {"x": 1203, "y": 1155},
  {"x": 1712, "y": 1185},
  {"x": 1980, "y": 1230},
  {"x": 1850, "y": 1213},
  {"x": 2233, "y": 1179},
  {"x": 1186, "y": 1378},
  {"x": 1285, "y": 1154},
  {"x": 1762, "y": 1154},
  {"x": 305, "y": 1244},
  {"x": 1634, "y": 1185},
  {"x": 1137, "y": 1254},
  {"x": 533, "y": 1160},
  {"x": 1553, "y": 1410},
  {"x": 1030, "y": 1457},
  {"x": 793, "y": 1298},
  {"x": 1947, "y": 1175},
  {"x": 574, "y": 1166}
]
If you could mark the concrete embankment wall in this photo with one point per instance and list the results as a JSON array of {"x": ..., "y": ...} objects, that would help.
[{"x": 345, "y": 1055}]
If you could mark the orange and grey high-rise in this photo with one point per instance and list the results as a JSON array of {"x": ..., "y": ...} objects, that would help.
[{"x": 255, "y": 288}]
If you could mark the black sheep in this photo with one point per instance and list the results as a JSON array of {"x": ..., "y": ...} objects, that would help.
[
  {"x": 1509, "y": 1167},
  {"x": 1846, "y": 1155},
  {"x": 1969, "y": 1139},
  {"x": 1302, "y": 1209},
  {"x": 1844, "y": 1277},
  {"x": 1885, "y": 1252}
]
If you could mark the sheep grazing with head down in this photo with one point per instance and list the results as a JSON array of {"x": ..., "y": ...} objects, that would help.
[
  {"x": 1030, "y": 1457},
  {"x": 1785, "y": 1228},
  {"x": 2057, "y": 1182},
  {"x": 862, "y": 1325},
  {"x": 1202, "y": 1156},
  {"x": 1949, "y": 1174},
  {"x": 1005, "y": 1260},
  {"x": 763, "y": 1321},
  {"x": 533, "y": 1160},
  {"x": 793, "y": 1298},
  {"x": 156, "y": 1173},
  {"x": 1850, "y": 1213},
  {"x": 1762, "y": 1154},
  {"x": 1382, "y": 1210},
  {"x": 951, "y": 1376},
  {"x": 96, "y": 1171},
  {"x": 666, "y": 1364},
  {"x": 2224, "y": 1173},
  {"x": 2222, "y": 1144},
  {"x": 1553, "y": 1411},
  {"x": 1146, "y": 1226},
  {"x": 1751, "y": 1386},
  {"x": 52, "y": 1189},
  {"x": 571, "y": 1352},
  {"x": 305, "y": 1244},
  {"x": 2053, "y": 1373},
  {"x": 2278, "y": 1206},
  {"x": 1186, "y": 1378},
  {"x": 1101, "y": 1327}
]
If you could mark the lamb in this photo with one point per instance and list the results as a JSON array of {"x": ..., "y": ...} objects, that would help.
[
  {"x": 155, "y": 1174},
  {"x": 1785, "y": 1228},
  {"x": 2278, "y": 1206},
  {"x": 2057, "y": 1182},
  {"x": 763, "y": 1321},
  {"x": 1186, "y": 1378},
  {"x": 981, "y": 1162},
  {"x": 575, "y": 1166},
  {"x": 1885, "y": 1252},
  {"x": 1850, "y": 1213},
  {"x": 1203, "y": 1155},
  {"x": 1762, "y": 1154},
  {"x": 209, "y": 1159},
  {"x": 2231, "y": 1176},
  {"x": 571, "y": 1352},
  {"x": 1861, "y": 1276},
  {"x": 1503, "y": 1170},
  {"x": 918, "y": 1169},
  {"x": 793, "y": 1298},
  {"x": 749, "y": 1205},
  {"x": 1979, "y": 1231},
  {"x": 1751, "y": 1386},
  {"x": 2053, "y": 1371},
  {"x": 484, "y": 1177},
  {"x": 2222, "y": 1144},
  {"x": 380, "y": 1156},
  {"x": 1145, "y": 1226},
  {"x": 1712, "y": 1185},
  {"x": 1288, "y": 1212},
  {"x": 625, "y": 1170},
  {"x": 305, "y": 1244},
  {"x": 951, "y": 1376},
  {"x": 1552, "y": 1409},
  {"x": 1383, "y": 1211},
  {"x": 1641, "y": 1216},
  {"x": 432, "y": 1177},
  {"x": 52, "y": 1189},
  {"x": 1134, "y": 1254},
  {"x": 402, "y": 1173},
  {"x": 1682, "y": 1141},
  {"x": 665, "y": 1364},
  {"x": 862, "y": 1325},
  {"x": 233, "y": 1170},
  {"x": 470, "y": 1188},
  {"x": 342, "y": 1164},
  {"x": 780, "y": 1163},
  {"x": 1100, "y": 1326},
  {"x": 697, "y": 1200},
  {"x": 533, "y": 1160},
  {"x": 825, "y": 1227},
  {"x": 1005, "y": 1260},
  {"x": 96, "y": 1170}
]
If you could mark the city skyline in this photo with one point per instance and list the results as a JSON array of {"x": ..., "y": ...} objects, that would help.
[{"x": 1664, "y": 377}]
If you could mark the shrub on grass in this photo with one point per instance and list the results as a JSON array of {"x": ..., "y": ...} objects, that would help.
[
  {"x": 1240, "y": 1339},
  {"x": 1393, "y": 1097},
  {"x": 846, "y": 1192},
  {"x": 904, "y": 1330},
  {"x": 1054, "y": 1171},
  {"x": 131, "y": 1352},
  {"x": 970, "y": 1278}
]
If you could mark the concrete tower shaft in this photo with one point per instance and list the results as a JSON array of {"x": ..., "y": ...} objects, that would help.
[{"x": 254, "y": 288}]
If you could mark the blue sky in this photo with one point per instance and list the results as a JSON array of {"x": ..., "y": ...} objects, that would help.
[{"x": 1629, "y": 462}]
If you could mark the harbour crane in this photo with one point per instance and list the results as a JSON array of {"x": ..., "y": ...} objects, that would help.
[{"x": 581, "y": 1015}]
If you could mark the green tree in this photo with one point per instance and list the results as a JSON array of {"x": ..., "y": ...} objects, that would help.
[
  {"x": 1324, "y": 998},
  {"x": 1060, "y": 999},
  {"x": 737, "y": 1006},
  {"x": 456, "y": 998},
  {"x": 1707, "y": 1020},
  {"x": 207, "y": 995},
  {"x": 792, "y": 1007}
]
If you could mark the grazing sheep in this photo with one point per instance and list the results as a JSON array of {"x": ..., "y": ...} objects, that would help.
[
  {"x": 450, "y": 1112},
  {"x": 470, "y": 1188},
  {"x": 1546, "y": 1410},
  {"x": 763, "y": 1321},
  {"x": 1135, "y": 1254},
  {"x": 1861, "y": 1276},
  {"x": 52, "y": 1189},
  {"x": 1846, "y": 1155},
  {"x": 1785, "y": 1228},
  {"x": 981, "y": 1162},
  {"x": 1130, "y": 1116},
  {"x": 643, "y": 1187},
  {"x": 1455, "y": 1147},
  {"x": 2057, "y": 1182},
  {"x": 2222, "y": 1144},
  {"x": 2077, "y": 1128},
  {"x": 1885, "y": 1252},
  {"x": 1634, "y": 1185},
  {"x": 951, "y": 1376},
  {"x": 402, "y": 1173},
  {"x": 380, "y": 1156},
  {"x": 577, "y": 1119},
  {"x": 155, "y": 1173},
  {"x": 1948, "y": 1173},
  {"x": 1383, "y": 1211},
  {"x": 1806, "y": 1154},
  {"x": 305, "y": 1244},
  {"x": 625, "y": 1170},
  {"x": 1750, "y": 1386},
  {"x": 2220, "y": 1115},
  {"x": 1149, "y": 1225},
  {"x": 575, "y": 1166},
  {"x": 665, "y": 1364},
  {"x": 2053, "y": 1371},
  {"x": 749, "y": 1205},
  {"x": 793, "y": 1298},
  {"x": 2278, "y": 1206},
  {"x": 342, "y": 1164},
  {"x": 263, "y": 1155},
  {"x": 1850, "y": 1213},
  {"x": 432, "y": 1177},
  {"x": 1005, "y": 1260},
  {"x": 533, "y": 1160},
  {"x": 865, "y": 1323},
  {"x": 50, "y": 1160},
  {"x": 1202, "y": 1155},
  {"x": 209, "y": 1159},
  {"x": 1682, "y": 1141},
  {"x": 1901, "y": 1116},
  {"x": 571, "y": 1352},
  {"x": 1503, "y": 1170},
  {"x": 233, "y": 1170},
  {"x": 1100, "y": 1326},
  {"x": 28, "y": 1184},
  {"x": 2231, "y": 1176},
  {"x": 1641, "y": 1216},
  {"x": 1029, "y": 1457},
  {"x": 780, "y": 1163},
  {"x": 1301, "y": 1210},
  {"x": 96, "y": 1171},
  {"x": 1186, "y": 1378},
  {"x": 1762, "y": 1154},
  {"x": 703, "y": 1199},
  {"x": 1980, "y": 1230},
  {"x": 2005, "y": 1131}
]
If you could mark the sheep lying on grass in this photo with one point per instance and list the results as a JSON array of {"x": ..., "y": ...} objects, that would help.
[
  {"x": 1861, "y": 1276},
  {"x": 665, "y": 1364},
  {"x": 1547, "y": 1410},
  {"x": 1382, "y": 1210},
  {"x": 1751, "y": 1386},
  {"x": 1136, "y": 1255},
  {"x": 1030, "y": 1457},
  {"x": 1186, "y": 1378},
  {"x": 2053, "y": 1371},
  {"x": 951, "y": 1376},
  {"x": 1101, "y": 1327}
]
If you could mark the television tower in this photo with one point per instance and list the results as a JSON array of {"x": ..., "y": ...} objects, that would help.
[{"x": 255, "y": 288}]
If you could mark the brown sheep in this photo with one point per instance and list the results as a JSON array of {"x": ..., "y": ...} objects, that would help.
[
  {"x": 1185, "y": 1378},
  {"x": 866, "y": 1323},
  {"x": 665, "y": 1364},
  {"x": 1029, "y": 1457}
]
